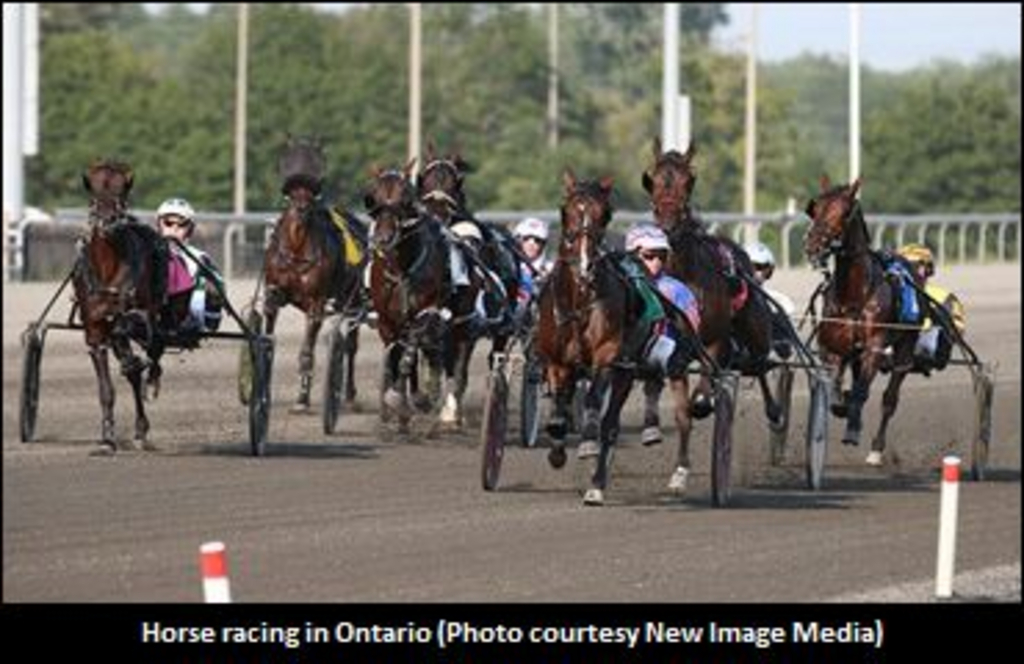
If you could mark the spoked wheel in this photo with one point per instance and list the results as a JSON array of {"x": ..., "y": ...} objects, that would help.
[
  {"x": 721, "y": 463},
  {"x": 529, "y": 402},
  {"x": 262, "y": 350},
  {"x": 984, "y": 387},
  {"x": 495, "y": 428},
  {"x": 579, "y": 405},
  {"x": 33, "y": 343},
  {"x": 254, "y": 321},
  {"x": 779, "y": 431},
  {"x": 334, "y": 383},
  {"x": 817, "y": 429}
]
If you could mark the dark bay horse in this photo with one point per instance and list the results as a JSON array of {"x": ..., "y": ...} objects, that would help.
[
  {"x": 589, "y": 315},
  {"x": 314, "y": 261},
  {"x": 735, "y": 321},
  {"x": 441, "y": 190},
  {"x": 418, "y": 309},
  {"x": 859, "y": 311},
  {"x": 120, "y": 283}
]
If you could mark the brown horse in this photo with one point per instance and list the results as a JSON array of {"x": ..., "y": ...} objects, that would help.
[
  {"x": 441, "y": 189},
  {"x": 314, "y": 261},
  {"x": 590, "y": 325},
  {"x": 418, "y": 308},
  {"x": 735, "y": 320},
  {"x": 120, "y": 279},
  {"x": 860, "y": 308}
]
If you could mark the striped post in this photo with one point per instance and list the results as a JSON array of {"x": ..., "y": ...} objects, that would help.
[
  {"x": 947, "y": 527},
  {"x": 214, "y": 564}
]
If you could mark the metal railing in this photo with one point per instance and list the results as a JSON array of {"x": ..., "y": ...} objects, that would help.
[{"x": 242, "y": 238}]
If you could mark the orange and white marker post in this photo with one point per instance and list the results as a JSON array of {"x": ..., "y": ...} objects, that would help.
[
  {"x": 947, "y": 527},
  {"x": 214, "y": 564}
]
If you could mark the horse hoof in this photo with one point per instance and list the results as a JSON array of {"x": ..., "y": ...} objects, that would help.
[
  {"x": 839, "y": 410},
  {"x": 651, "y": 436},
  {"x": 132, "y": 445},
  {"x": 557, "y": 429},
  {"x": 106, "y": 449},
  {"x": 299, "y": 407},
  {"x": 677, "y": 483},
  {"x": 588, "y": 449},
  {"x": 422, "y": 402},
  {"x": 149, "y": 446},
  {"x": 701, "y": 406},
  {"x": 593, "y": 497},
  {"x": 851, "y": 440},
  {"x": 874, "y": 459},
  {"x": 557, "y": 457},
  {"x": 450, "y": 410},
  {"x": 393, "y": 399}
]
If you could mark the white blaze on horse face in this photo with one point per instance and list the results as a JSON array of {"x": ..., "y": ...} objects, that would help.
[{"x": 584, "y": 241}]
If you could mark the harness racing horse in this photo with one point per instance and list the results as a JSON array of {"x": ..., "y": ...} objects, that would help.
[
  {"x": 735, "y": 320},
  {"x": 120, "y": 282},
  {"x": 314, "y": 261},
  {"x": 860, "y": 308},
  {"x": 412, "y": 293},
  {"x": 589, "y": 314},
  {"x": 440, "y": 186}
]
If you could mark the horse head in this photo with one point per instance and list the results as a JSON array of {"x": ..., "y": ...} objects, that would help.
[
  {"x": 108, "y": 183},
  {"x": 669, "y": 182},
  {"x": 302, "y": 165},
  {"x": 390, "y": 200},
  {"x": 830, "y": 213},
  {"x": 586, "y": 212},
  {"x": 440, "y": 184}
]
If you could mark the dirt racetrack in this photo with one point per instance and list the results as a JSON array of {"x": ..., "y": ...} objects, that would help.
[{"x": 368, "y": 516}]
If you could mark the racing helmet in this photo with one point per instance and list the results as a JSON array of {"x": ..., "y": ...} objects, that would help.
[
  {"x": 646, "y": 236},
  {"x": 532, "y": 227},
  {"x": 177, "y": 207},
  {"x": 919, "y": 254},
  {"x": 467, "y": 230}
]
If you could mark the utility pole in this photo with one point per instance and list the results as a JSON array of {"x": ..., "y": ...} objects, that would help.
[
  {"x": 750, "y": 230},
  {"x": 14, "y": 175},
  {"x": 670, "y": 79},
  {"x": 553, "y": 75},
  {"x": 415, "y": 74},
  {"x": 241, "y": 110},
  {"x": 854, "y": 90}
]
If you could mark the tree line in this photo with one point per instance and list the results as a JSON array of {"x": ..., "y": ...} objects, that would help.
[{"x": 158, "y": 90}]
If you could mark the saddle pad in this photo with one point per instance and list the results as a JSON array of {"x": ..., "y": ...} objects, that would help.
[{"x": 353, "y": 253}]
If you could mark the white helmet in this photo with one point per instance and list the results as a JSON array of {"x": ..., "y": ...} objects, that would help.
[
  {"x": 646, "y": 236},
  {"x": 467, "y": 230},
  {"x": 176, "y": 206},
  {"x": 760, "y": 254},
  {"x": 532, "y": 227}
]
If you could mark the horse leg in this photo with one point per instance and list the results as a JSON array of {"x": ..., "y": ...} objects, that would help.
[
  {"x": 838, "y": 398},
  {"x": 651, "y": 434},
  {"x": 593, "y": 406},
  {"x": 890, "y": 400},
  {"x": 621, "y": 382},
  {"x": 458, "y": 377},
  {"x": 684, "y": 424},
  {"x": 702, "y": 403},
  {"x": 132, "y": 367},
  {"x": 563, "y": 385},
  {"x": 772, "y": 409},
  {"x": 863, "y": 374},
  {"x": 307, "y": 357},
  {"x": 100, "y": 363}
]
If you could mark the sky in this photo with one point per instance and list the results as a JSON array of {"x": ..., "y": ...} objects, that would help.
[{"x": 893, "y": 36}]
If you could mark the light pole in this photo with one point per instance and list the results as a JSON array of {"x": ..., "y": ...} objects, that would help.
[
  {"x": 241, "y": 101},
  {"x": 415, "y": 74},
  {"x": 854, "y": 90},
  {"x": 750, "y": 165},
  {"x": 670, "y": 79},
  {"x": 553, "y": 75}
]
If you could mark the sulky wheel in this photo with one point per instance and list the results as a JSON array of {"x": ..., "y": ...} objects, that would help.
[
  {"x": 262, "y": 349},
  {"x": 254, "y": 321},
  {"x": 721, "y": 462},
  {"x": 33, "y": 343},
  {"x": 529, "y": 402},
  {"x": 779, "y": 431},
  {"x": 334, "y": 382},
  {"x": 495, "y": 428},
  {"x": 817, "y": 429}
]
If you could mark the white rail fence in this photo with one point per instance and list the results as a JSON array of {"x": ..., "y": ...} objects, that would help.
[{"x": 43, "y": 249}]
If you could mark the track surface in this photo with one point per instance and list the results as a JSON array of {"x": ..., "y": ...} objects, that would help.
[{"x": 370, "y": 516}]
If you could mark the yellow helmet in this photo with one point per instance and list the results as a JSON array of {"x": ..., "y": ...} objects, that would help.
[{"x": 919, "y": 254}]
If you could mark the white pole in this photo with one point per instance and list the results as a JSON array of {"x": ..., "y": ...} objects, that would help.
[
  {"x": 241, "y": 100},
  {"x": 670, "y": 79},
  {"x": 214, "y": 565},
  {"x": 947, "y": 527},
  {"x": 14, "y": 181},
  {"x": 854, "y": 90},
  {"x": 750, "y": 165},
  {"x": 30, "y": 82},
  {"x": 553, "y": 75},
  {"x": 415, "y": 74}
]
